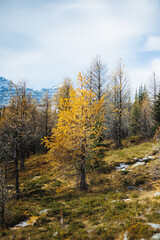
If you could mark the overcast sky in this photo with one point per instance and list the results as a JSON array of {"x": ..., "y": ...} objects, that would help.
[{"x": 43, "y": 41}]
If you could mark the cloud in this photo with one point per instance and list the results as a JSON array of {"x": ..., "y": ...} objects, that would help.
[
  {"x": 53, "y": 39},
  {"x": 155, "y": 66},
  {"x": 143, "y": 75},
  {"x": 152, "y": 43},
  {"x": 139, "y": 76}
]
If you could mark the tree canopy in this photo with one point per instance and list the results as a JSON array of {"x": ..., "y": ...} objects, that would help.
[{"x": 80, "y": 117}]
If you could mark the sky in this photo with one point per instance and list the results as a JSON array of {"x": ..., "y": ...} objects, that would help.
[{"x": 44, "y": 41}]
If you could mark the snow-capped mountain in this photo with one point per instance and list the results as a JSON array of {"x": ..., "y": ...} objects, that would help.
[{"x": 7, "y": 91}]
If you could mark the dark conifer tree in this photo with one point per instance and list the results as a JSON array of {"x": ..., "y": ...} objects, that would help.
[{"x": 156, "y": 110}]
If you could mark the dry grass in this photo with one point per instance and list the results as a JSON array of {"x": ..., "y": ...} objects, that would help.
[{"x": 100, "y": 213}]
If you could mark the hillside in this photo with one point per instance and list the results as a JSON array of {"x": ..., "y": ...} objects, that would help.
[
  {"x": 122, "y": 202},
  {"x": 7, "y": 90}
]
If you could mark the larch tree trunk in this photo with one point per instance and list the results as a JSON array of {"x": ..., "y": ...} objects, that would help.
[
  {"x": 17, "y": 174},
  {"x": 2, "y": 198},
  {"x": 83, "y": 182}
]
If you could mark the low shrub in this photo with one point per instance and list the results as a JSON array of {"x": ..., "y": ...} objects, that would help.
[
  {"x": 140, "y": 180},
  {"x": 139, "y": 231}
]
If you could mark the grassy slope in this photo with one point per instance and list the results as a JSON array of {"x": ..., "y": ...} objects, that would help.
[{"x": 101, "y": 213}]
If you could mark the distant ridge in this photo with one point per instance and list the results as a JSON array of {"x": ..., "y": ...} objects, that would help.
[{"x": 7, "y": 91}]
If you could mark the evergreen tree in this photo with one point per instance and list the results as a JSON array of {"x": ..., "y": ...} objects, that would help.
[
  {"x": 156, "y": 110},
  {"x": 153, "y": 87},
  {"x": 135, "y": 117},
  {"x": 146, "y": 121},
  {"x": 142, "y": 93}
]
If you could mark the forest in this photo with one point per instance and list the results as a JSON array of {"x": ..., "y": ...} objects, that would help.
[{"x": 62, "y": 152}]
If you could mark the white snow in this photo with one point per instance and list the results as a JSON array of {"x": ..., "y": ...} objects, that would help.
[
  {"x": 122, "y": 167},
  {"x": 154, "y": 225},
  {"x": 138, "y": 164}
]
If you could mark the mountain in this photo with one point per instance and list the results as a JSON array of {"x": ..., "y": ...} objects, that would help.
[{"x": 7, "y": 90}]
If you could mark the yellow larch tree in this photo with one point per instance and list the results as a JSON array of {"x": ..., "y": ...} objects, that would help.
[{"x": 80, "y": 116}]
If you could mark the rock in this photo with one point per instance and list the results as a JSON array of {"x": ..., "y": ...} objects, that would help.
[
  {"x": 90, "y": 230},
  {"x": 156, "y": 236},
  {"x": 36, "y": 177},
  {"x": 55, "y": 234},
  {"x": 127, "y": 200},
  {"x": 125, "y": 236},
  {"x": 140, "y": 160},
  {"x": 131, "y": 188},
  {"x": 157, "y": 194},
  {"x": 153, "y": 225},
  {"x": 122, "y": 167},
  {"x": 138, "y": 164},
  {"x": 25, "y": 223},
  {"x": 61, "y": 221},
  {"x": 10, "y": 186},
  {"x": 145, "y": 158},
  {"x": 44, "y": 211}
]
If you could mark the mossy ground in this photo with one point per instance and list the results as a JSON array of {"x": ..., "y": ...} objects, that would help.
[{"x": 106, "y": 211}]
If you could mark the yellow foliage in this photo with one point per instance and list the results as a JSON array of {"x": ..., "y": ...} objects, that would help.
[
  {"x": 59, "y": 190},
  {"x": 157, "y": 135},
  {"x": 32, "y": 219},
  {"x": 79, "y": 117}
]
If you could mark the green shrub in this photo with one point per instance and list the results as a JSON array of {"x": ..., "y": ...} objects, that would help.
[
  {"x": 55, "y": 183},
  {"x": 140, "y": 180},
  {"x": 134, "y": 195},
  {"x": 124, "y": 172},
  {"x": 55, "y": 209},
  {"x": 75, "y": 225},
  {"x": 154, "y": 217},
  {"x": 87, "y": 211},
  {"x": 41, "y": 221},
  {"x": 32, "y": 185},
  {"x": 106, "y": 232},
  {"x": 140, "y": 231},
  {"x": 120, "y": 206}
]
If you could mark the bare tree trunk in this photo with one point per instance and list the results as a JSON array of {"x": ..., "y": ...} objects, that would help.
[
  {"x": 120, "y": 110},
  {"x": 83, "y": 182},
  {"x": 119, "y": 133},
  {"x": 6, "y": 170},
  {"x": 119, "y": 142},
  {"x": 17, "y": 175},
  {"x": 46, "y": 126},
  {"x": 2, "y": 198},
  {"x": 22, "y": 165}
]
